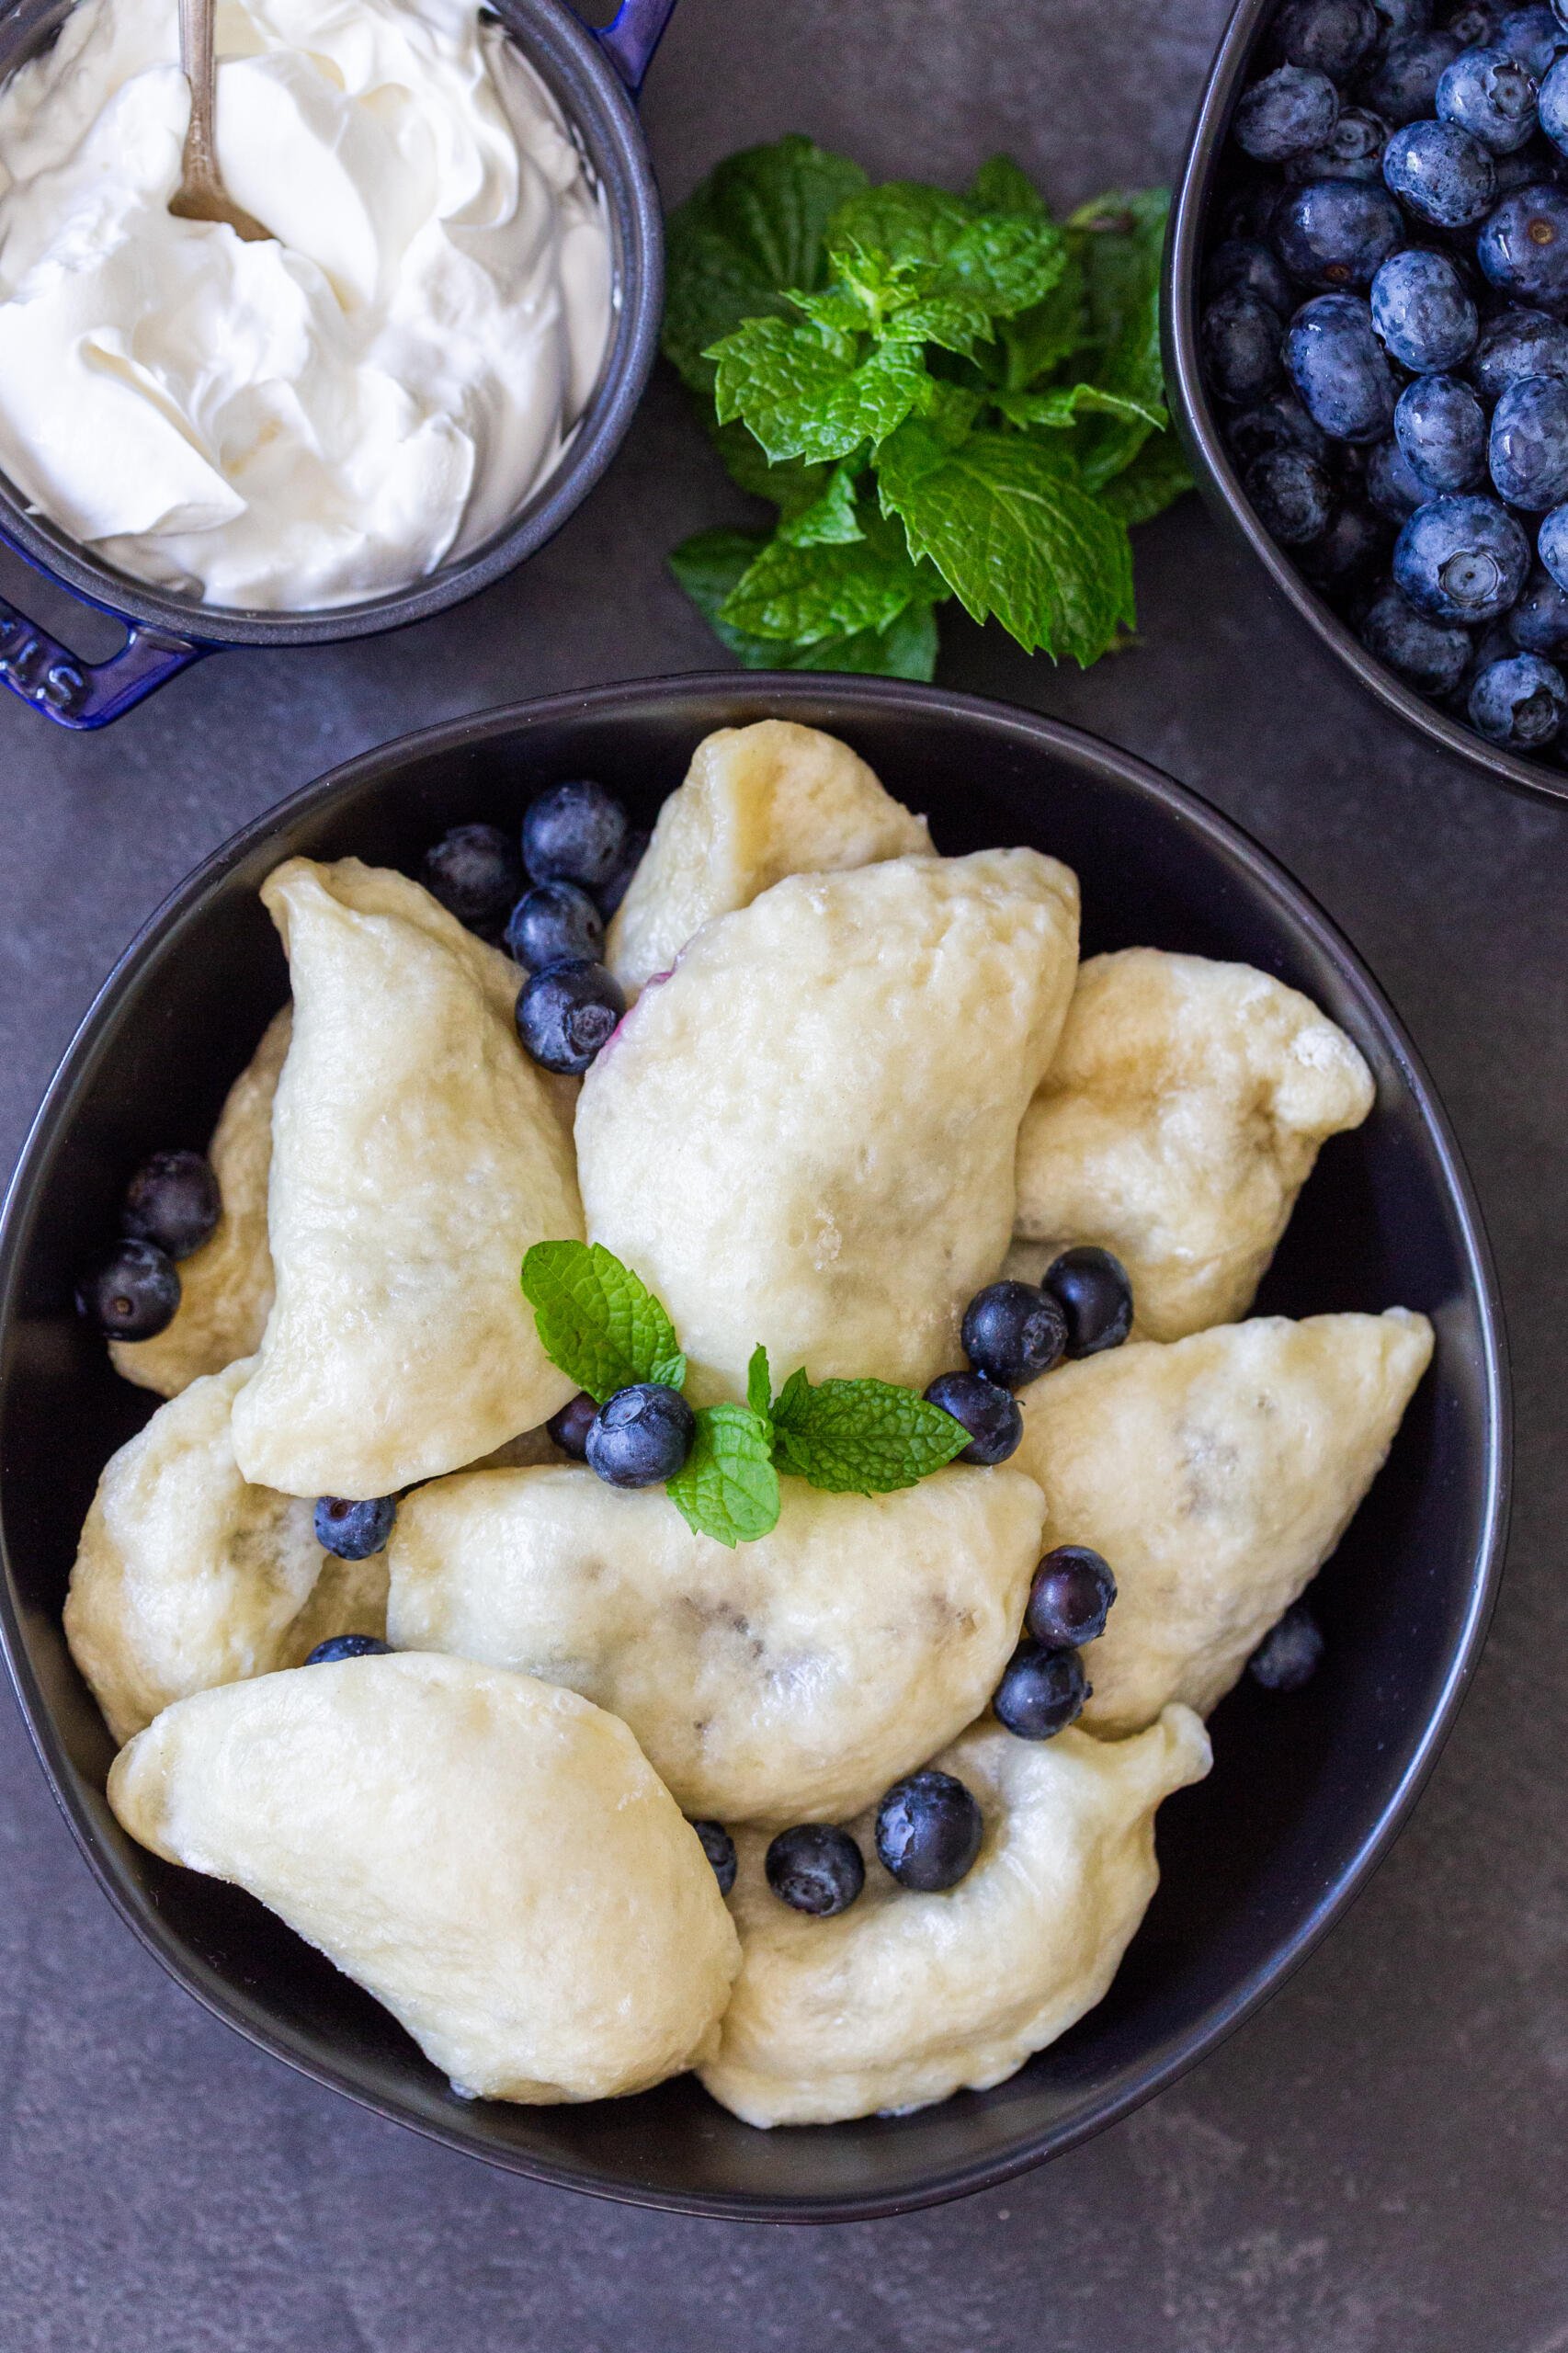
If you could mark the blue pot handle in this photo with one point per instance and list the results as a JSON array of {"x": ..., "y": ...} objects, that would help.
[
  {"x": 79, "y": 694},
  {"x": 630, "y": 41}
]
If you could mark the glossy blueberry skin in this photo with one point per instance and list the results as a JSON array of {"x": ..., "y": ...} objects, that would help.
[
  {"x": 1277, "y": 422},
  {"x": 552, "y": 924},
  {"x": 338, "y": 1646},
  {"x": 1290, "y": 1652},
  {"x": 1338, "y": 367},
  {"x": 1238, "y": 339},
  {"x": 355, "y": 1530},
  {"x": 1522, "y": 246},
  {"x": 610, "y": 893},
  {"x": 1329, "y": 36},
  {"x": 720, "y": 1850},
  {"x": 1337, "y": 232},
  {"x": 1489, "y": 93},
  {"x": 1535, "y": 37},
  {"x": 475, "y": 872},
  {"x": 1404, "y": 88},
  {"x": 1517, "y": 343},
  {"x": 130, "y": 1293},
  {"x": 1423, "y": 311},
  {"x": 575, "y": 833},
  {"x": 1354, "y": 548},
  {"x": 567, "y": 1013},
  {"x": 641, "y": 1436},
  {"x": 1287, "y": 112},
  {"x": 1013, "y": 1333},
  {"x": 174, "y": 1200},
  {"x": 1553, "y": 105},
  {"x": 1551, "y": 544},
  {"x": 1431, "y": 656},
  {"x": 1353, "y": 150},
  {"x": 1092, "y": 1289},
  {"x": 1293, "y": 495},
  {"x": 1441, "y": 427},
  {"x": 815, "y": 1868},
  {"x": 1461, "y": 559},
  {"x": 570, "y": 1426},
  {"x": 1247, "y": 264},
  {"x": 1520, "y": 703},
  {"x": 1070, "y": 1598},
  {"x": 1393, "y": 488},
  {"x": 989, "y": 1413},
  {"x": 1538, "y": 623},
  {"x": 928, "y": 1831},
  {"x": 1474, "y": 24},
  {"x": 1527, "y": 451},
  {"x": 1041, "y": 1691},
  {"x": 1440, "y": 174}
]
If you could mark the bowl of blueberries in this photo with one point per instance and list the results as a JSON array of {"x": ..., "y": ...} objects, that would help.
[{"x": 1367, "y": 341}]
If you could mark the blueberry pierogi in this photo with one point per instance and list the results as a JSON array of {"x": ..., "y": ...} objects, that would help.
[{"x": 717, "y": 1566}]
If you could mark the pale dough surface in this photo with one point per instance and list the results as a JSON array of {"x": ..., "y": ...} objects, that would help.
[
  {"x": 758, "y": 802},
  {"x": 907, "y": 1997},
  {"x": 416, "y": 1153},
  {"x": 785, "y": 1679},
  {"x": 492, "y": 1858},
  {"x": 1178, "y": 1121},
  {"x": 225, "y": 1288},
  {"x": 1216, "y": 1474},
  {"x": 807, "y": 1134}
]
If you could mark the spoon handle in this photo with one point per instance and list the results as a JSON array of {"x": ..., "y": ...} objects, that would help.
[{"x": 196, "y": 54}]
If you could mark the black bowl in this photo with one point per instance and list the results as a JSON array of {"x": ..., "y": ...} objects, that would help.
[
  {"x": 1306, "y": 1792},
  {"x": 1209, "y": 160}
]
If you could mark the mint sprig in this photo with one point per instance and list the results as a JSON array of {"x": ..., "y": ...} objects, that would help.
[
  {"x": 862, "y": 1437},
  {"x": 729, "y": 1488},
  {"x": 598, "y": 1321}
]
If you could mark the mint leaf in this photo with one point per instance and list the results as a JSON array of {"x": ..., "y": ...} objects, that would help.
[
  {"x": 862, "y": 1437},
  {"x": 729, "y": 1487},
  {"x": 1119, "y": 240},
  {"x": 598, "y": 1321},
  {"x": 791, "y": 487},
  {"x": 1063, "y": 407},
  {"x": 901, "y": 222},
  {"x": 1157, "y": 476},
  {"x": 709, "y": 565},
  {"x": 759, "y": 1385},
  {"x": 1037, "y": 339},
  {"x": 828, "y": 521},
  {"x": 803, "y": 397},
  {"x": 907, "y": 243},
  {"x": 1002, "y": 186},
  {"x": 805, "y": 593},
  {"x": 1004, "y": 260}
]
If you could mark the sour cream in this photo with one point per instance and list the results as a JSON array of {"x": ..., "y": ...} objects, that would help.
[{"x": 299, "y": 424}]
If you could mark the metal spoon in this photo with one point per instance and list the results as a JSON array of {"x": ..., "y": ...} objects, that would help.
[{"x": 200, "y": 195}]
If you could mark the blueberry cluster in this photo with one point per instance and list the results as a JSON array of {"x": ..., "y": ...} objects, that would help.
[
  {"x": 170, "y": 1207},
  {"x": 1014, "y": 1331},
  {"x": 1386, "y": 323}
]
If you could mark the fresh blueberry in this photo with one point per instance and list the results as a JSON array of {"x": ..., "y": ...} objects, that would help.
[
  {"x": 1440, "y": 174},
  {"x": 988, "y": 1412},
  {"x": 1523, "y": 247},
  {"x": 173, "y": 1199},
  {"x": 1431, "y": 656},
  {"x": 1423, "y": 311},
  {"x": 1293, "y": 495},
  {"x": 928, "y": 1831},
  {"x": 567, "y": 1014},
  {"x": 1397, "y": 19},
  {"x": 1091, "y": 1288},
  {"x": 1527, "y": 452},
  {"x": 1070, "y": 1598},
  {"x": 1394, "y": 490},
  {"x": 355, "y": 1530},
  {"x": 130, "y": 1293},
  {"x": 1461, "y": 559},
  {"x": 1489, "y": 93},
  {"x": 1441, "y": 427},
  {"x": 1520, "y": 703},
  {"x": 1533, "y": 164},
  {"x": 1329, "y": 36},
  {"x": 641, "y": 1436},
  {"x": 1353, "y": 151},
  {"x": 573, "y": 832},
  {"x": 1535, "y": 37},
  {"x": 1248, "y": 210},
  {"x": 1286, "y": 111},
  {"x": 552, "y": 924},
  {"x": 570, "y": 1427},
  {"x": 1289, "y": 1655},
  {"x": 1247, "y": 264},
  {"x": 1551, "y": 544},
  {"x": 815, "y": 1868},
  {"x": 720, "y": 1850},
  {"x": 1355, "y": 546},
  {"x": 476, "y": 874},
  {"x": 338, "y": 1646},
  {"x": 1492, "y": 643},
  {"x": 1337, "y": 232},
  {"x": 1041, "y": 1692},
  {"x": 1474, "y": 24},
  {"x": 1013, "y": 1333},
  {"x": 1403, "y": 87},
  {"x": 1277, "y": 422},
  {"x": 1238, "y": 339},
  {"x": 1554, "y": 105},
  {"x": 1517, "y": 343},
  {"x": 610, "y": 894},
  {"x": 1338, "y": 367},
  {"x": 1538, "y": 623}
]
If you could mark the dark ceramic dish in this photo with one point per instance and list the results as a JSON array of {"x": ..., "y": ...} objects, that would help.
[
  {"x": 1306, "y": 1792},
  {"x": 1209, "y": 165},
  {"x": 594, "y": 78}
]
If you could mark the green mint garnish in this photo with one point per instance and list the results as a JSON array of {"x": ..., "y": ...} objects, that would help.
[
  {"x": 728, "y": 1489},
  {"x": 598, "y": 1321},
  {"x": 862, "y": 1437}
]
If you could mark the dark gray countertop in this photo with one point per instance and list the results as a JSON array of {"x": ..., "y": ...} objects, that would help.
[{"x": 1375, "y": 2164}]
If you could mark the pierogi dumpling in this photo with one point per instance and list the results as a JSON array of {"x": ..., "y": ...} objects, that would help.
[
  {"x": 225, "y": 1288},
  {"x": 758, "y": 802},
  {"x": 417, "y": 1154},
  {"x": 491, "y": 1857},
  {"x": 806, "y": 1135},
  {"x": 185, "y": 1576},
  {"x": 907, "y": 1997},
  {"x": 791, "y": 1678},
  {"x": 1216, "y": 1474},
  {"x": 1176, "y": 1125}
]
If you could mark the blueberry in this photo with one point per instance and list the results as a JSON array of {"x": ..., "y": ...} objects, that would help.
[
  {"x": 1353, "y": 151},
  {"x": 1238, "y": 339},
  {"x": 1522, "y": 246},
  {"x": 1403, "y": 87},
  {"x": 1293, "y": 495},
  {"x": 1013, "y": 1333},
  {"x": 1527, "y": 451},
  {"x": 1092, "y": 1289},
  {"x": 1554, "y": 105},
  {"x": 570, "y": 1427},
  {"x": 1329, "y": 36},
  {"x": 641, "y": 1436},
  {"x": 1394, "y": 490},
  {"x": 1355, "y": 545},
  {"x": 1461, "y": 559},
  {"x": 815, "y": 1868},
  {"x": 1440, "y": 174},
  {"x": 988, "y": 1412},
  {"x": 573, "y": 832},
  {"x": 1535, "y": 37},
  {"x": 1474, "y": 24},
  {"x": 1041, "y": 1692},
  {"x": 720, "y": 1850},
  {"x": 1520, "y": 703},
  {"x": 173, "y": 1199},
  {"x": 928, "y": 1831},
  {"x": 1517, "y": 343},
  {"x": 1398, "y": 19},
  {"x": 1248, "y": 210},
  {"x": 1247, "y": 264},
  {"x": 1441, "y": 427},
  {"x": 1337, "y": 232},
  {"x": 1278, "y": 422},
  {"x": 130, "y": 1293},
  {"x": 610, "y": 893},
  {"x": 355, "y": 1530},
  {"x": 1423, "y": 311},
  {"x": 1489, "y": 93},
  {"x": 1289, "y": 1655},
  {"x": 567, "y": 1013},
  {"x": 338, "y": 1646},
  {"x": 1536, "y": 163},
  {"x": 1338, "y": 366},
  {"x": 1538, "y": 623},
  {"x": 1070, "y": 1597},
  {"x": 1286, "y": 112},
  {"x": 476, "y": 874},
  {"x": 1428, "y": 655},
  {"x": 555, "y": 923}
]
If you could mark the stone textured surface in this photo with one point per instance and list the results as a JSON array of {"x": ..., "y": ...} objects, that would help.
[{"x": 1373, "y": 2165}]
